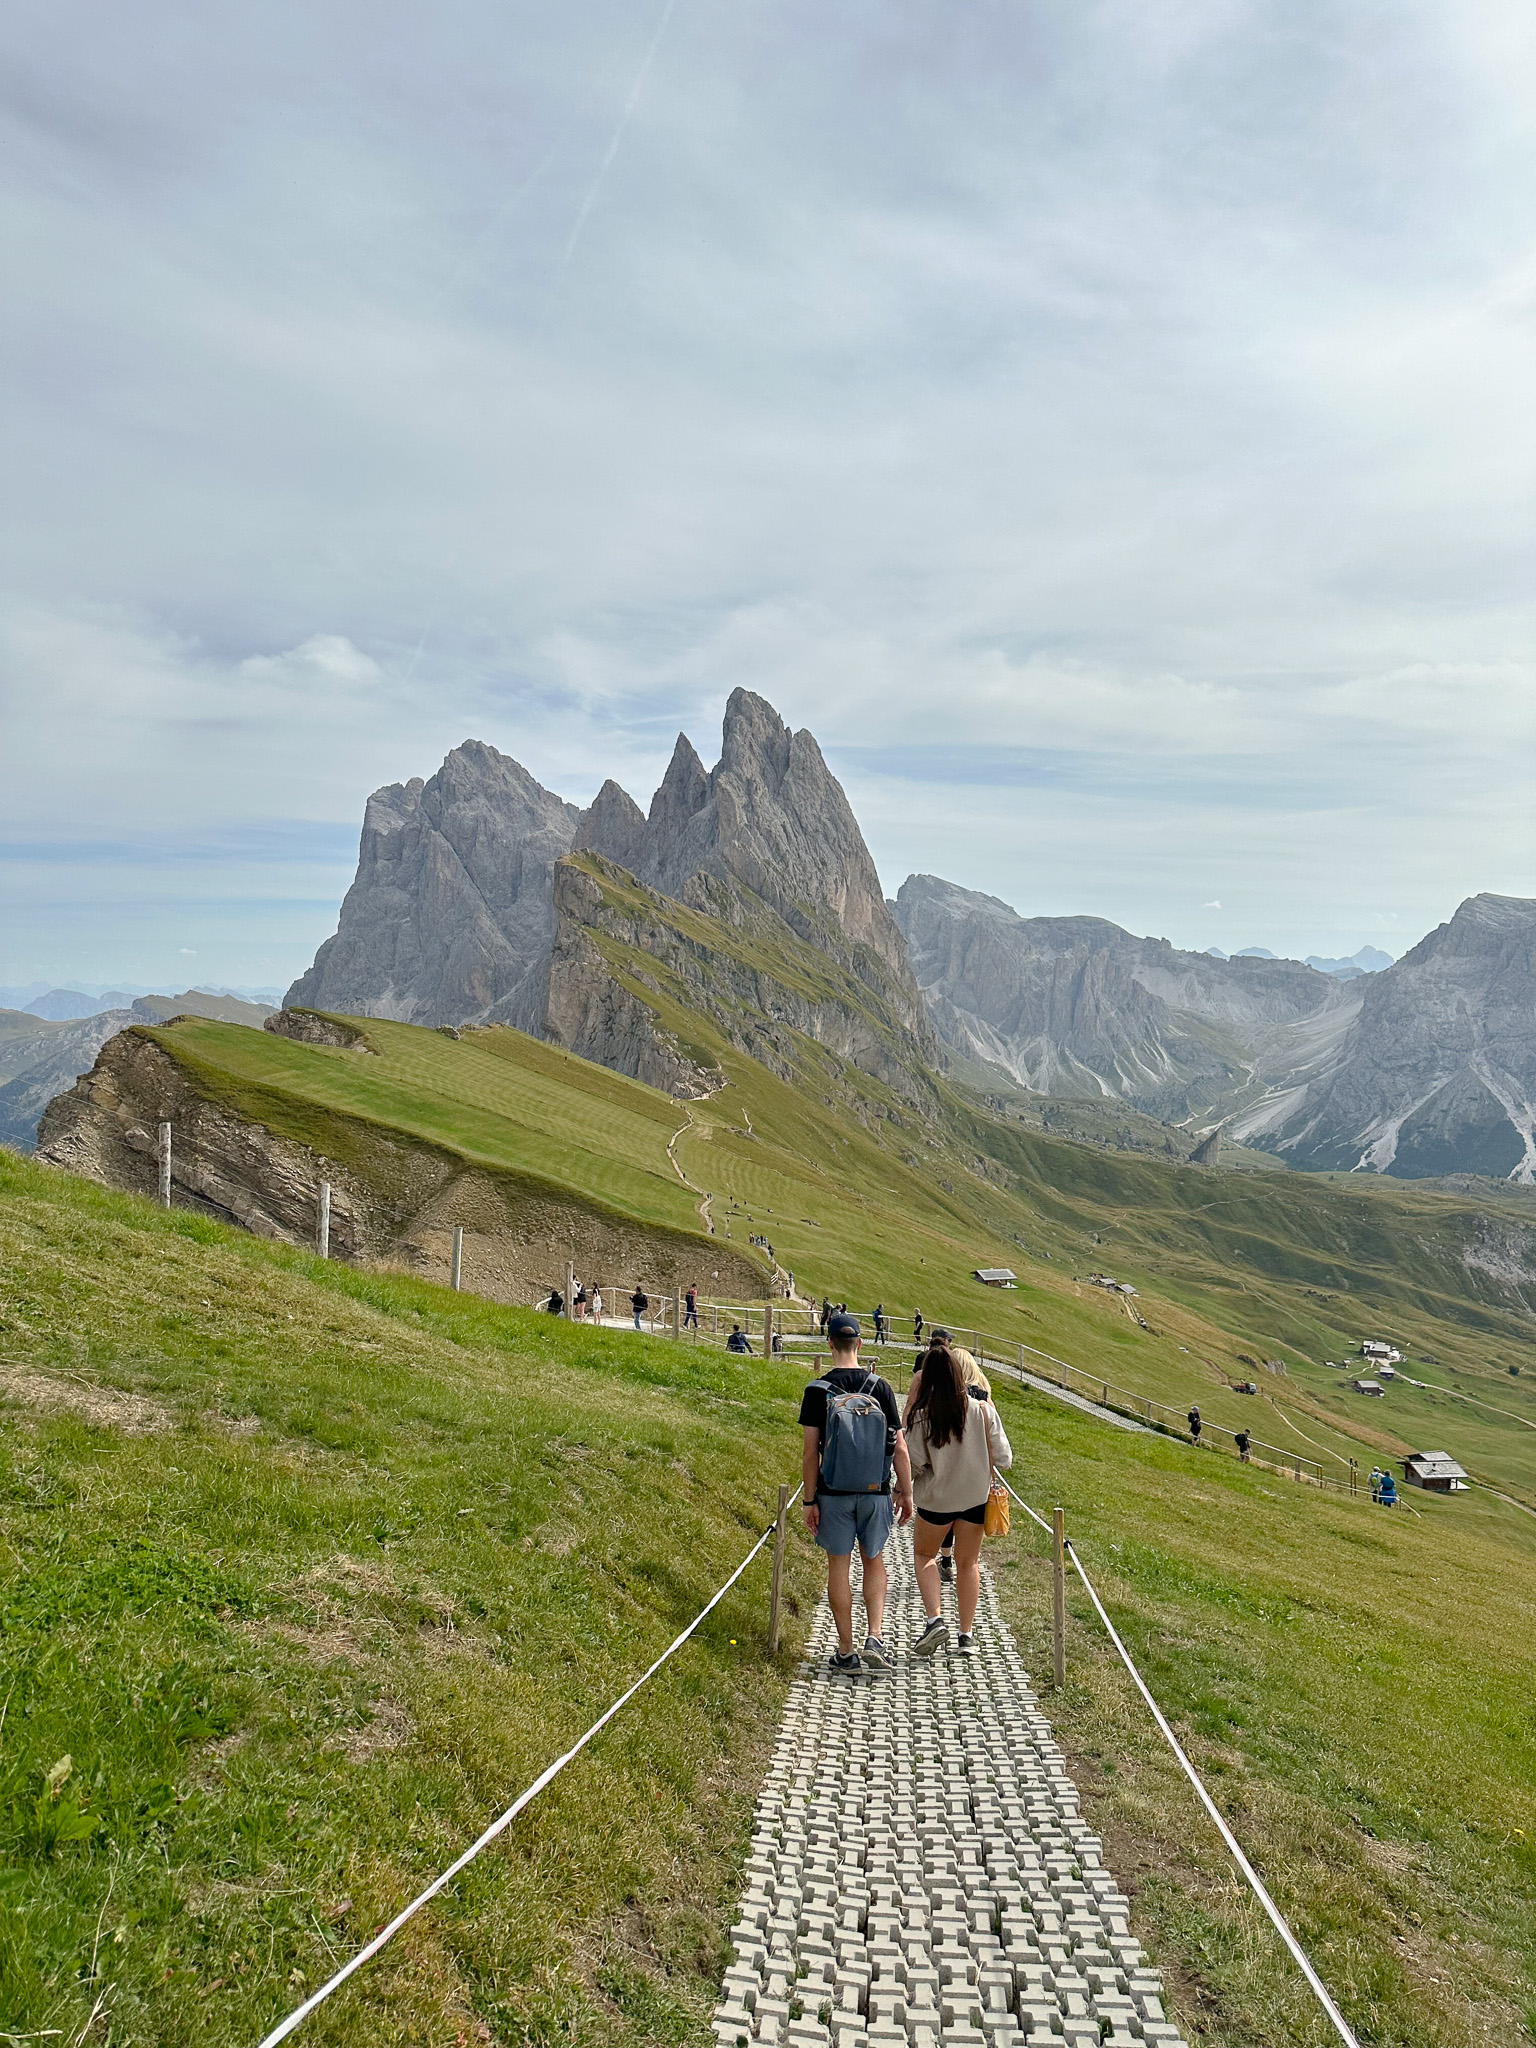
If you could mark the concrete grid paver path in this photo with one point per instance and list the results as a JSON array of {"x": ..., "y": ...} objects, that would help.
[{"x": 920, "y": 1876}]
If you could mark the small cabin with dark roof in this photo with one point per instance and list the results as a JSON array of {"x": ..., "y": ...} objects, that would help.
[
  {"x": 1368, "y": 1387},
  {"x": 1435, "y": 1471},
  {"x": 995, "y": 1276}
]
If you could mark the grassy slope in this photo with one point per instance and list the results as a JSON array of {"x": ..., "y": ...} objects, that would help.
[
  {"x": 1356, "y": 1688},
  {"x": 1234, "y": 1267},
  {"x": 241, "y": 1589},
  {"x": 309, "y": 1571}
]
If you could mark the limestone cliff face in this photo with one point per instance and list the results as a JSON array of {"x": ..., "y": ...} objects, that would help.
[
  {"x": 1076, "y": 1006},
  {"x": 450, "y": 919},
  {"x": 589, "y": 1010},
  {"x": 1438, "y": 1073},
  {"x": 735, "y": 962}
]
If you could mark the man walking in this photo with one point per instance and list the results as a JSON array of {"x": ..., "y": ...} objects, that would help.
[
  {"x": 691, "y": 1299},
  {"x": 1194, "y": 1425},
  {"x": 852, "y": 1447},
  {"x": 1241, "y": 1440},
  {"x": 639, "y": 1301},
  {"x": 879, "y": 1320}
]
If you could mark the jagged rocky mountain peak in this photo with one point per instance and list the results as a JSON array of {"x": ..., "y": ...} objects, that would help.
[
  {"x": 452, "y": 915},
  {"x": 754, "y": 741},
  {"x": 1475, "y": 925},
  {"x": 613, "y": 825}
]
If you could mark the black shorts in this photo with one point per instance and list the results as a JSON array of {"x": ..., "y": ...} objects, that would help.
[{"x": 976, "y": 1515}]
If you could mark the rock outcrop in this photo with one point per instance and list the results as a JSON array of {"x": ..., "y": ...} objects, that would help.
[
  {"x": 450, "y": 919},
  {"x": 1438, "y": 1072},
  {"x": 1075, "y": 1006}
]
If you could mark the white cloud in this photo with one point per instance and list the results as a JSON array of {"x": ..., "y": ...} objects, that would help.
[{"x": 1147, "y": 392}]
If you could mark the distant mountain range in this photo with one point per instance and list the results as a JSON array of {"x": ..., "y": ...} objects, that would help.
[
  {"x": 745, "y": 894},
  {"x": 1422, "y": 1068},
  {"x": 470, "y": 905},
  {"x": 43, "y": 1050},
  {"x": 1369, "y": 960}
]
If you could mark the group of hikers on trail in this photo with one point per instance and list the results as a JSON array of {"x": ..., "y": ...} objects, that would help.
[{"x": 942, "y": 1457}]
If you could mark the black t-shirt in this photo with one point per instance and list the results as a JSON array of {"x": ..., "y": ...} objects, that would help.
[{"x": 851, "y": 1379}]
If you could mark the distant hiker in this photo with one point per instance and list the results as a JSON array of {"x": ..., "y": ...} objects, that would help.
[
  {"x": 639, "y": 1301},
  {"x": 555, "y": 1305},
  {"x": 957, "y": 1443},
  {"x": 879, "y": 1322},
  {"x": 1194, "y": 1425},
  {"x": 851, "y": 1447},
  {"x": 826, "y": 1310},
  {"x": 597, "y": 1304},
  {"x": 917, "y": 1326},
  {"x": 1388, "y": 1494},
  {"x": 736, "y": 1341},
  {"x": 1241, "y": 1440},
  {"x": 579, "y": 1302},
  {"x": 691, "y": 1299}
]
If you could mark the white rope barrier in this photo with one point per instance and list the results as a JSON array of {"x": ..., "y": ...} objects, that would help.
[
  {"x": 503, "y": 1821},
  {"x": 1298, "y": 1954}
]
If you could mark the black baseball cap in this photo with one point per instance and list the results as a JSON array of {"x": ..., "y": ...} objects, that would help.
[{"x": 842, "y": 1326}]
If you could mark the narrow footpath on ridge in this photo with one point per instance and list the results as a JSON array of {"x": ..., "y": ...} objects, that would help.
[{"x": 920, "y": 1876}]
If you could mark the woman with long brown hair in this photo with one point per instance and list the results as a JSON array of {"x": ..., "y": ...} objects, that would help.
[{"x": 956, "y": 1443}]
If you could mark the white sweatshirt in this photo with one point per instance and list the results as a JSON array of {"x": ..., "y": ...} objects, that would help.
[{"x": 949, "y": 1478}]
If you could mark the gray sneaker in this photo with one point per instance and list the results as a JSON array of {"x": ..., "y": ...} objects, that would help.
[
  {"x": 965, "y": 1643},
  {"x": 876, "y": 1656},
  {"x": 848, "y": 1665},
  {"x": 933, "y": 1638}
]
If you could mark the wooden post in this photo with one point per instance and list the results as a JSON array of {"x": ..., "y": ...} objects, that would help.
[
  {"x": 1148, "y": 1406},
  {"x": 1106, "y": 1393},
  {"x": 456, "y": 1270},
  {"x": 778, "y": 1572},
  {"x": 768, "y": 1330},
  {"x": 1059, "y": 1598},
  {"x": 570, "y": 1290},
  {"x": 1021, "y": 1358},
  {"x": 1298, "y": 1466},
  {"x": 677, "y": 1312},
  {"x": 323, "y": 1230},
  {"x": 165, "y": 1166}
]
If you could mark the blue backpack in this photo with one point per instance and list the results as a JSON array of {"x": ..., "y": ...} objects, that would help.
[{"x": 853, "y": 1438}]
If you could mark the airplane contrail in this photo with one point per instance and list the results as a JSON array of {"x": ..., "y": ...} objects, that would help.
[{"x": 618, "y": 136}]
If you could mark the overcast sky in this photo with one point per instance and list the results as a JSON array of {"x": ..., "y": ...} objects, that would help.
[{"x": 1108, "y": 427}]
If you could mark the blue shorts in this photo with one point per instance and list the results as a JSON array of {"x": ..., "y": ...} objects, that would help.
[{"x": 846, "y": 1517}]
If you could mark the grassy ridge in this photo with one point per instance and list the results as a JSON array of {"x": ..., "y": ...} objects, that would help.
[{"x": 532, "y": 1109}]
